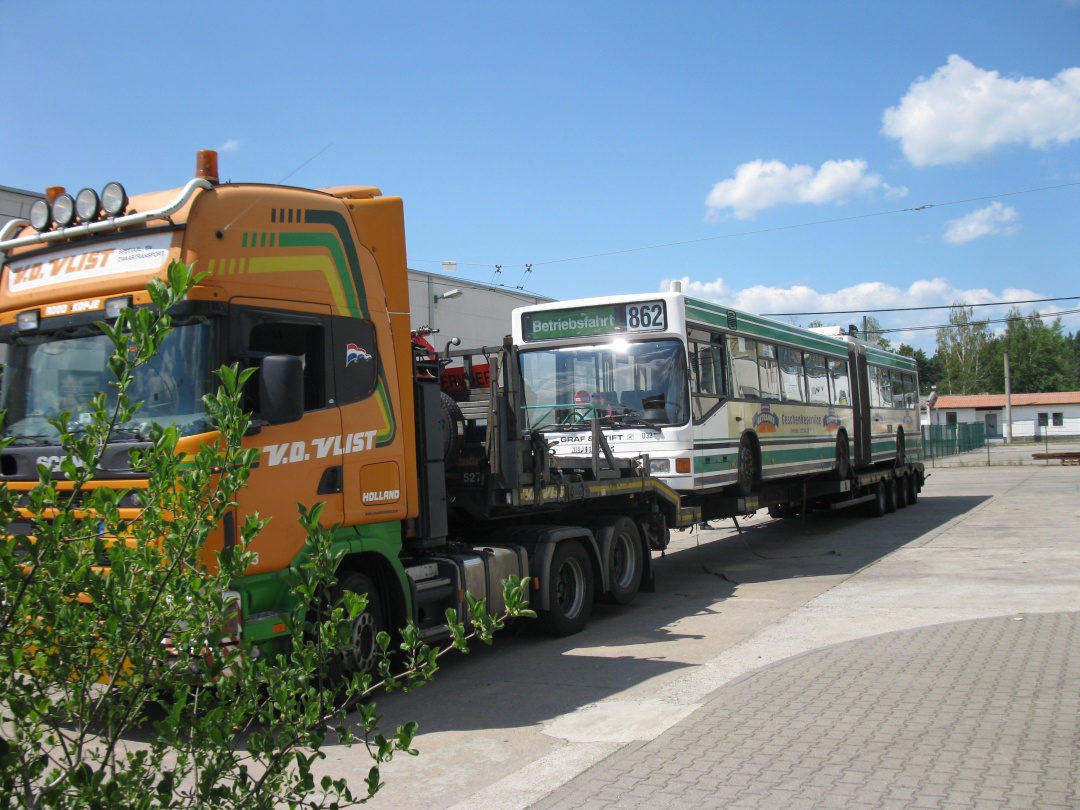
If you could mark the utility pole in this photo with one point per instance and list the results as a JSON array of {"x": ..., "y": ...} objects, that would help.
[{"x": 1008, "y": 402}]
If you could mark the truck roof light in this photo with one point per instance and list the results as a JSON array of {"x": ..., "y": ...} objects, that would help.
[
  {"x": 52, "y": 192},
  {"x": 87, "y": 205},
  {"x": 113, "y": 199},
  {"x": 114, "y": 306},
  {"x": 27, "y": 321},
  {"x": 63, "y": 210},
  {"x": 40, "y": 215}
]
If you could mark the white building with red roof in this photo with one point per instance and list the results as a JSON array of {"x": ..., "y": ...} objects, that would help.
[{"x": 1034, "y": 416}]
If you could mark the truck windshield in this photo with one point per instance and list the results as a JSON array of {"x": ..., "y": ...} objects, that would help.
[
  {"x": 620, "y": 382},
  {"x": 50, "y": 373}
]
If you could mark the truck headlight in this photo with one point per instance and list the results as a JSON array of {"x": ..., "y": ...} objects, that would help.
[{"x": 659, "y": 466}]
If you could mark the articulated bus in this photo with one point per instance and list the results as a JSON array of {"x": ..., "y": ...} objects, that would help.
[{"x": 714, "y": 397}]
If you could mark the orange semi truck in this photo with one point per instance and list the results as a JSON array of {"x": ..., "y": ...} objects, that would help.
[{"x": 429, "y": 498}]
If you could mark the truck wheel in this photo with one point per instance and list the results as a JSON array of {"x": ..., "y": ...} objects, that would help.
[
  {"x": 570, "y": 590},
  {"x": 890, "y": 495},
  {"x": 842, "y": 468},
  {"x": 363, "y": 652},
  {"x": 748, "y": 466},
  {"x": 624, "y": 562},
  {"x": 876, "y": 507},
  {"x": 901, "y": 492},
  {"x": 913, "y": 489}
]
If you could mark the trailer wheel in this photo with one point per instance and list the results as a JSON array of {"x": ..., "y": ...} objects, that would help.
[
  {"x": 902, "y": 492},
  {"x": 890, "y": 495},
  {"x": 363, "y": 652},
  {"x": 913, "y": 489},
  {"x": 842, "y": 469},
  {"x": 570, "y": 591},
  {"x": 749, "y": 471},
  {"x": 625, "y": 562},
  {"x": 877, "y": 506}
]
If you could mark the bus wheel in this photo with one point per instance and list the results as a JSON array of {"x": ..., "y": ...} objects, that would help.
[
  {"x": 913, "y": 489},
  {"x": 362, "y": 654},
  {"x": 748, "y": 466},
  {"x": 902, "y": 491},
  {"x": 843, "y": 457},
  {"x": 570, "y": 590},
  {"x": 876, "y": 507},
  {"x": 890, "y": 495},
  {"x": 624, "y": 561}
]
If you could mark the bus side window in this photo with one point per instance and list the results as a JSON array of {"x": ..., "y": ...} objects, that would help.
[
  {"x": 791, "y": 375},
  {"x": 816, "y": 379},
  {"x": 838, "y": 382},
  {"x": 768, "y": 371},
  {"x": 744, "y": 368}
]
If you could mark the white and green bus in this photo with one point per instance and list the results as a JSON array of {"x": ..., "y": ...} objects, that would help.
[{"x": 716, "y": 398}]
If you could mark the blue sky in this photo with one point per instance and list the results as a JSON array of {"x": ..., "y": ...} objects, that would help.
[{"x": 770, "y": 154}]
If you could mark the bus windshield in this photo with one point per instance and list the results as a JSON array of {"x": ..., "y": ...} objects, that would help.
[
  {"x": 51, "y": 373},
  {"x": 619, "y": 382}
]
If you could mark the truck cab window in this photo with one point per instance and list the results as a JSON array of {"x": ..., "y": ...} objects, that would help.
[{"x": 306, "y": 340}]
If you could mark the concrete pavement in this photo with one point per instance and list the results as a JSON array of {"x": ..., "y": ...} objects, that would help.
[{"x": 926, "y": 659}]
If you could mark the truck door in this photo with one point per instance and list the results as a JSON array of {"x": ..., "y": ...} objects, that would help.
[{"x": 296, "y": 463}]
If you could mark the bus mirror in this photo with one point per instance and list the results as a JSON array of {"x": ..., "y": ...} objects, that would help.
[{"x": 281, "y": 389}]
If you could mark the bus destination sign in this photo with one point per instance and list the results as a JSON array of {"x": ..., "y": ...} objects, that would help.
[{"x": 603, "y": 319}]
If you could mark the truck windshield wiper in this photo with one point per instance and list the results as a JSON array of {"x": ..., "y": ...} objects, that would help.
[{"x": 26, "y": 440}]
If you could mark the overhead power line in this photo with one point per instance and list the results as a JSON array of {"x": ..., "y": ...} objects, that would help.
[{"x": 970, "y": 323}]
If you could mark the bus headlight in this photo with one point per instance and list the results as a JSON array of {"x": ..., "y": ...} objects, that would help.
[{"x": 659, "y": 466}]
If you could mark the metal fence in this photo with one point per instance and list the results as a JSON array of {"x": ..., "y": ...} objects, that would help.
[{"x": 939, "y": 441}]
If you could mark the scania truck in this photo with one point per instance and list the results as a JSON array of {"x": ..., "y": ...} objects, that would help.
[{"x": 429, "y": 497}]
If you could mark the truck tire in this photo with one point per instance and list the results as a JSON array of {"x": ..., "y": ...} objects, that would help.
[
  {"x": 453, "y": 426},
  {"x": 876, "y": 507},
  {"x": 749, "y": 468},
  {"x": 363, "y": 655},
  {"x": 570, "y": 591},
  {"x": 890, "y": 495},
  {"x": 624, "y": 560},
  {"x": 913, "y": 489},
  {"x": 902, "y": 492}
]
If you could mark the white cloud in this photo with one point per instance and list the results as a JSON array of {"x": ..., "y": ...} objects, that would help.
[
  {"x": 994, "y": 220},
  {"x": 230, "y": 145},
  {"x": 963, "y": 112},
  {"x": 762, "y": 184}
]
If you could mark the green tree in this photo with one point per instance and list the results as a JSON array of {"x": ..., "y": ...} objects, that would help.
[
  {"x": 103, "y": 618},
  {"x": 1041, "y": 357},
  {"x": 963, "y": 352}
]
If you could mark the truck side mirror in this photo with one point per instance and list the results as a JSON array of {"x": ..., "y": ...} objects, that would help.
[{"x": 281, "y": 389}]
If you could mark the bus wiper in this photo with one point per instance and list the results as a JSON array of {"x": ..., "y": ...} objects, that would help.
[{"x": 628, "y": 419}]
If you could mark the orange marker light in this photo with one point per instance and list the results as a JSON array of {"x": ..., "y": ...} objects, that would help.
[{"x": 206, "y": 165}]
